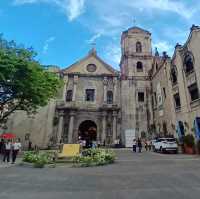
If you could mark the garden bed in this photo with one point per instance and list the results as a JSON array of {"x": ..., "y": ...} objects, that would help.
[
  {"x": 87, "y": 158},
  {"x": 94, "y": 157},
  {"x": 39, "y": 159}
]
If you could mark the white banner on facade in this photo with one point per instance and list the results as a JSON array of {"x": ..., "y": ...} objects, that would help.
[{"x": 129, "y": 136}]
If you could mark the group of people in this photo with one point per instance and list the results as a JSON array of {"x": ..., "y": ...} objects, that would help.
[
  {"x": 138, "y": 143},
  {"x": 9, "y": 149},
  {"x": 89, "y": 144}
]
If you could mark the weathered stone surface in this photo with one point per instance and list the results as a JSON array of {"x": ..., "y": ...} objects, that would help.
[{"x": 61, "y": 119}]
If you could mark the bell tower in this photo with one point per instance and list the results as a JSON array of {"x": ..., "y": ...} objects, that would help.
[
  {"x": 136, "y": 52},
  {"x": 136, "y": 61}
]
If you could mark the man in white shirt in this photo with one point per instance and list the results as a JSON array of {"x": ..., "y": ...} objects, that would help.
[{"x": 16, "y": 146}]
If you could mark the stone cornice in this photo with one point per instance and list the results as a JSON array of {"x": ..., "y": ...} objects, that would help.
[
  {"x": 137, "y": 56},
  {"x": 92, "y": 75}
]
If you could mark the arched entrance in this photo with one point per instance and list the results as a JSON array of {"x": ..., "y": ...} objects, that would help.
[{"x": 88, "y": 131}]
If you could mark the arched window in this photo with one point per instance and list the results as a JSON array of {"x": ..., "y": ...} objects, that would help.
[
  {"x": 109, "y": 97},
  {"x": 139, "y": 66},
  {"x": 69, "y": 96},
  {"x": 188, "y": 63},
  {"x": 138, "y": 47},
  {"x": 174, "y": 75}
]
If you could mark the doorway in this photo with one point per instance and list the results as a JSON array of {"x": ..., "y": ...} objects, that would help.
[{"x": 88, "y": 132}]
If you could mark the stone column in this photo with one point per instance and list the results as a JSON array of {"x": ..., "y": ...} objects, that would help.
[
  {"x": 114, "y": 126},
  {"x": 103, "y": 135},
  {"x": 105, "y": 83},
  {"x": 65, "y": 87},
  {"x": 71, "y": 127},
  {"x": 74, "y": 87},
  {"x": 115, "y": 90},
  {"x": 60, "y": 126}
]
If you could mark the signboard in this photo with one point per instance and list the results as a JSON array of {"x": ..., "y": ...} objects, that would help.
[
  {"x": 70, "y": 150},
  {"x": 129, "y": 136}
]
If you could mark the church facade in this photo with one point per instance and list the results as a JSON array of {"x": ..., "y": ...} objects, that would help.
[{"x": 151, "y": 95}]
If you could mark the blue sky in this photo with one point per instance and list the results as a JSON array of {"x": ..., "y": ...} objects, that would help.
[{"x": 61, "y": 31}]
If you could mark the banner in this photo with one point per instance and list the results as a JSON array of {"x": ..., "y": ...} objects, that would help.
[
  {"x": 180, "y": 130},
  {"x": 197, "y": 127}
]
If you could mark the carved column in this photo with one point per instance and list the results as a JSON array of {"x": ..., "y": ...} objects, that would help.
[
  {"x": 65, "y": 87},
  {"x": 75, "y": 87},
  {"x": 103, "y": 135},
  {"x": 71, "y": 127},
  {"x": 105, "y": 83},
  {"x": 60, "y": 126},
  {"x": 114, "y": 126},
  {"x": 115, "y": 90}
]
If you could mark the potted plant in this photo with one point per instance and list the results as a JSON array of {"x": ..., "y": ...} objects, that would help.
[{"x": 189, "y": 143}]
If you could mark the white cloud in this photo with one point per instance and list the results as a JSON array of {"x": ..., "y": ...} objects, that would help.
[
  {"x": 94, "y": 38},
  {"x": 46, "y": 44},
  {"x": 72, "y": 8},
  {"x": 164, "y": 46},
  {"x": 113, "y": 54},
  {"x": 164, "y": 5}
]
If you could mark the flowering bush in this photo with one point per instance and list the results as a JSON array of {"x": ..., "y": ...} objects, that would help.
[
  {"x": 39, "y": 159},
  {"x": 94, "y": 157}
]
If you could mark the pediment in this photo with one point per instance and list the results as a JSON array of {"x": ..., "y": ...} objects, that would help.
[{"x": 91, "y": 65}]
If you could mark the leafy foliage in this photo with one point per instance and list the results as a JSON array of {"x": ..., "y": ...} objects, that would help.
[
  {"x": 94, "y": 157},
  {"x": 24, "y": 83},
  {"x": 39, "y": 159}
]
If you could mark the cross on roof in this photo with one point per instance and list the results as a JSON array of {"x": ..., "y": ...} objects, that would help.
[{"x": 134, "y": 22}]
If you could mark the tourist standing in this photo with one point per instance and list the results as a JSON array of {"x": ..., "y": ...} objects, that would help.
[
  {"x": 146, "y": 145},
  {"x": 149, "y": 145},
  {"x": 134, "y": 145},
  {"x": 115, "y": 143},
  {"x": 7, "y": 150},
  {"x": 1, "y": 146},
  {"x": 29, "y": 146},
  {"x": 16, "y": 146},
  {"x": 139, "y": 145}
]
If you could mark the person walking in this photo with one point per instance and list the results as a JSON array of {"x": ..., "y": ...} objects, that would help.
[
  {"x": 16, "y": 146},
  {"x": 134, "y": 145},
  {"x": 30, "y": 146},
  {"x": 149, "y": 145},
  {"x": 146, "y": 145},
  {"x": 7, "y": 150},
  {"x": 139, "y": 145}
]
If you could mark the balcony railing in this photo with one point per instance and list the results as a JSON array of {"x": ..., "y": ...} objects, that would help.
[{"x": 83, "y": 104}]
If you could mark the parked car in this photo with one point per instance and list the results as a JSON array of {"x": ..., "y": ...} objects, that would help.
[
  {"x": 153, "y": 144},
  {"x": 166, "y": 145}
]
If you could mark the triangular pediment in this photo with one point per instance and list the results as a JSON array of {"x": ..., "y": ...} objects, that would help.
[
  {"x": 90, "y": 65},
  {"x": 137, "y": 30}
]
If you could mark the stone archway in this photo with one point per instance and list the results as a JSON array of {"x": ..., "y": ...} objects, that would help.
[{"x": 88, "y": 131}]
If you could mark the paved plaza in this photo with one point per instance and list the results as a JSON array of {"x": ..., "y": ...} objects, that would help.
[{"x": 146, "y": 175}]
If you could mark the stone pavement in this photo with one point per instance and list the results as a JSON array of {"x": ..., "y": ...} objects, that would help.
[{"x": 133, "y": 176}]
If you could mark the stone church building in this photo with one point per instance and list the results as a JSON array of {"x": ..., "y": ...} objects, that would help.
[{"x": 150, "y": 96}]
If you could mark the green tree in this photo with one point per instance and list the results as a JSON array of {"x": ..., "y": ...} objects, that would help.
[{"x": 24, "y": 83}]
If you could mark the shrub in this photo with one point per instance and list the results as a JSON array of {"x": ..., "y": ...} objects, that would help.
[
  {"x": 94, "y": 157},
  {"x": 188, "y": 140},
  {"x": 39, "y": 159}
]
